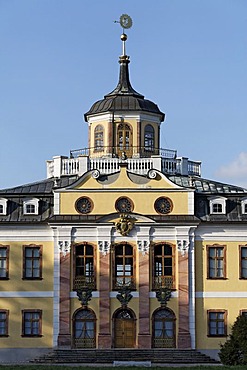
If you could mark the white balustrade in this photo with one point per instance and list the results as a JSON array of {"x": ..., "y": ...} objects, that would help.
[{"x": 64, "y": 166}]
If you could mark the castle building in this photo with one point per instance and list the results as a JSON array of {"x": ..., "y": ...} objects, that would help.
[{"x": 123, "y": 245}]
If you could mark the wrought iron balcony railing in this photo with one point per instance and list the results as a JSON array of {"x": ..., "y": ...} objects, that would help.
[
  {"x": 163, "y": 282},
  {"x": 81, "y": 282}
]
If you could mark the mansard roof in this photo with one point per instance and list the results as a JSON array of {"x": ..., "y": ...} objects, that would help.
[
  {"x": 201, "y": 185},
  {"x": 206, "y": 186}
]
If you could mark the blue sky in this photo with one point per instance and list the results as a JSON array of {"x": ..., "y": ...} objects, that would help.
[{"x": 59, "y": 56}]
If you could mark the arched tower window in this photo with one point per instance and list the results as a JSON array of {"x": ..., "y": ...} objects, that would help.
[
  {"x": 84, "y": 271},
  {"x": 163, "y": 266},
  {"x": 84, "y": 329},
  {"x": 123, "y": 270},
  {"x": 124, "y": 139},
  {"x": 149, "y": 138},
  {"x": 99, "y": 138},
  {"x": 164, "y": 328}
]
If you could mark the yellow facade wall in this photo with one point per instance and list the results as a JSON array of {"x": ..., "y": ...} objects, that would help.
[
  {"x": 229, "y": 291},
  {"x": 104, "y": 202},
  {"x": 15, "y": 307},
  {"x": 16, "y": 282}
]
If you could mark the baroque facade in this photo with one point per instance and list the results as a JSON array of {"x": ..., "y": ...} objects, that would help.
[{"x": 123, "y": 245}]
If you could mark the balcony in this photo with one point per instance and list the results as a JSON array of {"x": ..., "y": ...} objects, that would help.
[{"x": 106, "y": 161}]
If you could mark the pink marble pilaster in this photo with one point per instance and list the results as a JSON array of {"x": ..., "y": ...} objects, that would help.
[
  {"x": 104, "y": 337},
  {"x": 184, "y": 339},
  {"x": 64, "y": 337},
  {"x": 144, "y": 337}
]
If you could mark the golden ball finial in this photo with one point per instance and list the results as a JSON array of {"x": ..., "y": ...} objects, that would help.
[{"x": 124, "y": 37}]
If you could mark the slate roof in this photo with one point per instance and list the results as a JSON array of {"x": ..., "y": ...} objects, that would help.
[{"x": 206, "y": 186}]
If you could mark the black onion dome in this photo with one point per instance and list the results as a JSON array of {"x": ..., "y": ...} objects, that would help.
[{"x": 124, "y": 97}]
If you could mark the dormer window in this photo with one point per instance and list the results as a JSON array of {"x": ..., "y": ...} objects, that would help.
[
  {"x": 244, "y": 206},
  {"x": 3, "y": 206},
  {"x": 31, "y": 206},
  {"x": 217, "y": 205}
]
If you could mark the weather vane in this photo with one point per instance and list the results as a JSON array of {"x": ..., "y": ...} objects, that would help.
[{"x": 126, "y": 22}]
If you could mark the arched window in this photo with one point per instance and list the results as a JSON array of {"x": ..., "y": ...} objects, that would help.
[
  {"x": 123, "y": 271},
  {"x": 149, "y": 138},
  {"x": 84, "y": 329},
  {"x": 84, "y": 271},
  {"x": 163, "y": 266},
  {"x": 124, "y": 139},
  {"x": 99, "y": 138},
  {"x": 164, "y": 329}
]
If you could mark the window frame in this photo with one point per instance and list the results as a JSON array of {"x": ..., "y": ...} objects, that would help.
[
  {"x": 163, "y": 257},
  {"x": 6, "y": 321},
  {"x": 3, "y": 203},
  {"x": 84, "y": 341},
  {"x": 80, "y": 279},
  {"x": 115, "y": 286},
  {"x": 241, "y": 247},
  {"x": 149, "y": 142},
  {"x": 99, "y": 138},
  {"x": 217, "y": 311},
  {"x": 33, "y": 258},
  {"x": 216, "y": 201},
  {"x": 216, "y": 246},
  {"x": 32, "y": 311},
  {"x": 7, "y": 261},
  {"x": 244, "y": 205},
  {"x": 31, "y": 202}
]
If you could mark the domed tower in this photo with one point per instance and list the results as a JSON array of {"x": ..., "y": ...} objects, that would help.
[{"x": 124, "y": 123}]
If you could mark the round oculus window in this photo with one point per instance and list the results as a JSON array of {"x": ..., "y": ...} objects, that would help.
[
  {"x": 124, "y": 204},
  {"x": 84, "y": 205},
  {"x": 163, "y": 205}
]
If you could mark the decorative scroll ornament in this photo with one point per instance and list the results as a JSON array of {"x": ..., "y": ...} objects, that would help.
[
  {"x": 163, "y": 295},
  {"x": 125, "y": 224},
  {"x": 183, "y": 246},
  {"x": 84, "y": 295},
  {"x": 104, "y": 247},
  {"x": 64, "y": 247},
  {"x": 143, "y": 246},
  {"x": 152, "y": 174},
  {"x": 95, "y": 174},
  {"x": 124, "y": 295}
]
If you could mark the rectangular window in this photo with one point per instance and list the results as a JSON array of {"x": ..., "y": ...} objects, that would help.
[
  {"x": 216, "y": 262},
  {"x": 243, "y": 262},
  {"x": 31, "y": 323},
  {"x": 4, "y": 261},
  {"x": 217, "y": 323},
  {"x": 32, "y": 262},
  {"x": 4, "y": 320}
]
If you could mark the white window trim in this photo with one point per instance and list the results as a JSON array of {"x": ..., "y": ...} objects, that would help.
[
  {"x": 243, "y": 203},
  {"x": 32, "y": 201},
  {"x": 217, "y": 200},
  {"x": 3, "y": 202}
]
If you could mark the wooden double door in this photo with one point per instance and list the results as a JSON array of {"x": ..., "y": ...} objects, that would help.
[{"x": 124, "y": 329}]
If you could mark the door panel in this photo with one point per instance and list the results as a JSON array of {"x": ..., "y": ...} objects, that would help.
[{"x": 124, "y": 333}]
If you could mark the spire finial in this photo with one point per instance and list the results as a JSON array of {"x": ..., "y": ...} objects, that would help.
[{"x": 126, "y": 22}]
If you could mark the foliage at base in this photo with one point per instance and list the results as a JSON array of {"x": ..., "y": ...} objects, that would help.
[{"x": 234, "y": 350}]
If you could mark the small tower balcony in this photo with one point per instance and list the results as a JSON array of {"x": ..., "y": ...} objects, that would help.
[{"x": 106, "y": 161}]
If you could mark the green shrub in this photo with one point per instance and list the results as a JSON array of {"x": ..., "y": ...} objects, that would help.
[{"x": 234, "y": 350}]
